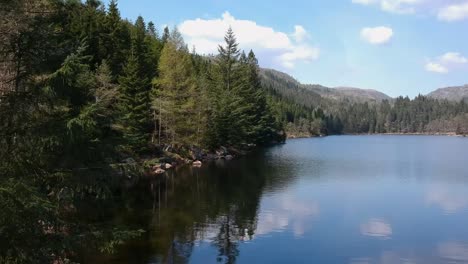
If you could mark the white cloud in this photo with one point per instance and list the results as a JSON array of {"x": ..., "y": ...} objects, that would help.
[
  {"x": 377, "y": 35},
  {"x": 300, "y": 33},
  {"x": 453, "y": 57},
  {"x": 276, "y": 47},
  {"x": 435, "y": 67},
  {"x": 300, "y": 53},
  {"x": 446, "y": 62},
  {"x": 445, "y": 10},
  {"x": 363, "y": 2},
  {"x": 453, "y": 12},
  {"x": 399, "y": 6},
  {"x": 392, "y": 6}
]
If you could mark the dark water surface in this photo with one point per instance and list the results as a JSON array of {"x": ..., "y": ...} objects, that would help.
[{"x": 344, "y": 199}]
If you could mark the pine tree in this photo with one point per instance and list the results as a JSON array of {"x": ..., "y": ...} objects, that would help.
[
  {"x": 227, "y": 59},
  {"x": 134, "y": 104},
  {"x": 241, "y": 114},
  {"x": 154, "y": 46},
  {"x": 91, "y": 128},
  {"x": 142, "y": 50},
  {"x": 165, "y": 36},
  {"x": 264, "y": 128},
  {"x": 177, "y": 90},
  {"x": 92, "y": 26},
  {"x": 117, "y": 41},
  {"x": 152, "y": 31},
  {"x": 226, "y": 106}
]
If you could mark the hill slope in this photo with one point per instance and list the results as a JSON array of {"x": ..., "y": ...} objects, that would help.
[
  {"x": 455, "y": 93},
  {"x": 317, "y": 93},
  {"x": 349, "y": 93},
  {"x": 285, "y": 86}
]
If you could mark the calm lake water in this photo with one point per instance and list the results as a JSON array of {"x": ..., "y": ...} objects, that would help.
[{"x": 343, "y": 199}]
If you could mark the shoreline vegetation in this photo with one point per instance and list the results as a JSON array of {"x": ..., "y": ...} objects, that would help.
[
  {"x": 380, "y": 134},
  {"x": 450, "y": 134},
  {"x": 86, "y": 95}
]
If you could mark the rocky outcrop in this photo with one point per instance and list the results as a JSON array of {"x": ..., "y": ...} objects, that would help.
[
  {"x": 159, "y": 171},
  {"x": 191, "y": 155}
]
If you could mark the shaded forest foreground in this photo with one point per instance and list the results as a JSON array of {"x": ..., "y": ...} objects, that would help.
[{"x": 86, "y": 95}]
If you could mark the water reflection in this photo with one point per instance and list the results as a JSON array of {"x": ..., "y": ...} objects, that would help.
[
  {"x": 218, "y": 204},
  {"x": 286, "y": 212},
  {"x": 353, "y": 200},
  {"x": 388, "y": 257},
  {"x": 445, "y": 252},
  {"x": 450, "y": 198},
  {"x": 453, "y": 252},
  {"x": 376, "y": 228}
]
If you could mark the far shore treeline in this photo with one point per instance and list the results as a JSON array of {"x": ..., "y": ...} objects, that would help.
[{"x": 82, "y": 89}]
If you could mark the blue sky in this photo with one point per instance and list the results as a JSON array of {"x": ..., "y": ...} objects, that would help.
[{"x": 399, "y": 47}]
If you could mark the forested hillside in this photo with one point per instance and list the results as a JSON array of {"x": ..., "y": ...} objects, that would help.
[
  {"x": 316, "y": 91},
  {"x": 455, "y": 93},
  {"x": 420, "y": 115},
  {"x": 316, "y": 109},
  {"x": 356, "y": 95},
  {"x": 300, "y": 109}
]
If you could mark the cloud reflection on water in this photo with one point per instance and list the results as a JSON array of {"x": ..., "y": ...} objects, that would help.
[
  {"x": 376, "y": 228},
  {"x": 449, "y": 198},
  {"x": 453, "y": 252},
  {"x": 386, "y": 257},
  {"x": 444, "y": 252},
  {"x": 287, "y": 212}
]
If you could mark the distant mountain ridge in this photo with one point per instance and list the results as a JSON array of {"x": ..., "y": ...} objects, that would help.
[
  {"x": 352, "y": 94},
  {"x": 454, "y": 93},
  {"x": 335, "y": 94}
]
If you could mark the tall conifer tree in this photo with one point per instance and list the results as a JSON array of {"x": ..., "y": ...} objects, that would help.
[
  {"x": 134, "y": 104},
  {"x": 117, "y": 41},
  {"x": 226, "y": 111}
]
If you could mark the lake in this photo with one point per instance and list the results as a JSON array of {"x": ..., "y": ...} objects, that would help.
[{"x": 339, "y": 199}]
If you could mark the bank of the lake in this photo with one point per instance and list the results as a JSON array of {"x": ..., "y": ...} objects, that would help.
[{"x": 449, "y": 134}]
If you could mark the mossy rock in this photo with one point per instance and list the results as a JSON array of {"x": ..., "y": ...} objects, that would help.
[{"x": 151, "y": 162}]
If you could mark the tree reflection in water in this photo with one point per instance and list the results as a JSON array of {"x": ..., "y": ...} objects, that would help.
[{"x": 217, "y": 203}]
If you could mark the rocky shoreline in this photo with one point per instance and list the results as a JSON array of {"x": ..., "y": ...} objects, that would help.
[{"x": 170, "y": 157}]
